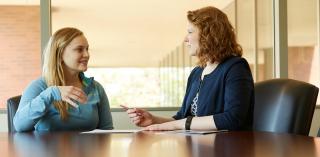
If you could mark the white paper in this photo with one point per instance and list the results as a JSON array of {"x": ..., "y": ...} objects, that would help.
[
  {"x": 195, "y": 131},
  {"x": 98, "y": 131}
]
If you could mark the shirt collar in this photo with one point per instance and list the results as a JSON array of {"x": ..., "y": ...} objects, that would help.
[{"x": 86, "y": 81}]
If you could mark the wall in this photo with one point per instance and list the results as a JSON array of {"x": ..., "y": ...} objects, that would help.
[{"x": 20, "y": 60}]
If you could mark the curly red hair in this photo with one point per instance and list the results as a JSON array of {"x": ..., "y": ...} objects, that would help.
[{"x": 217, "y": 39}]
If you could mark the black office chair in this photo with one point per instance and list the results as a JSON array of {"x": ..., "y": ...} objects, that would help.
[
  {"x": 12, "y": 106},
  {"x": 284, "y": 106}
]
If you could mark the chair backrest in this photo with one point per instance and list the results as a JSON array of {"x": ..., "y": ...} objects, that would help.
[
  {"x": 12, "y": 106},
  {"x": 284, "y": 106}
]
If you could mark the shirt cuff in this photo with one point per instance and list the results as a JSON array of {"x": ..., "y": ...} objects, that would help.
[
  {"x": 219, "y": 122},
  {"x": 56, "y": 93}
]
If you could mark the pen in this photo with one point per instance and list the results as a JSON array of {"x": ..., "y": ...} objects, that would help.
[{"x": 125, "y": 107}]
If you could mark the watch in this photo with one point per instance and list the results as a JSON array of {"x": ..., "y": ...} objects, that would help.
[{"x": 188, "y": 122}]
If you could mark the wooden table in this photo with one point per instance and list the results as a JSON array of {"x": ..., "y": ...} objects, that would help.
[{"x": 149, "y": 144}]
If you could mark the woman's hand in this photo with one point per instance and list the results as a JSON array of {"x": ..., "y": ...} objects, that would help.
[
  {"x": 70, "y": 94},
  {"x": 173, "y": 125},
  {"x": 139, "y": 117}
]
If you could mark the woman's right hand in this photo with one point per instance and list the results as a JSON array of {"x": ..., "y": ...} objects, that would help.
[
  {"x": 139, "y": 117},
  {"x": 70, "y": 94}
]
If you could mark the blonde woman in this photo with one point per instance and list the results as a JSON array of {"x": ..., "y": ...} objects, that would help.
[{"x": 64, "y": 98}]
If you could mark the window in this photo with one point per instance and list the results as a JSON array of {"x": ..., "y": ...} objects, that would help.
[
  {"x": 129, "y": 86},
  {"x": 129, "y": 42},
  {"x": 142, "y": 37},
  {"x": 303, "y": 48}
]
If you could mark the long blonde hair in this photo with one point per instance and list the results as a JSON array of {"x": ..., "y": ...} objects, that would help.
[{"x": 52, "y": 70}]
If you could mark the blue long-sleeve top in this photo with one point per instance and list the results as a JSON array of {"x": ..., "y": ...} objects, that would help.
[
  {"x": 37, "y": 112},
  {"x": 227, "y": 94}
]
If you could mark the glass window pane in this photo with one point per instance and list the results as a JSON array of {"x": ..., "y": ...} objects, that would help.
[
  {"x": 246, "y": 31},
  {"x": 135, "y": 39},
  {"x": 303, "y": 52},
  {"x": 264, "y": 40}
]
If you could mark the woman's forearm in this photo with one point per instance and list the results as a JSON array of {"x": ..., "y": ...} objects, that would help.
[
  {"x": 159, "y": 120},
  {"x": 203, "y": 123},
  {"x": 197, "y": 123}
]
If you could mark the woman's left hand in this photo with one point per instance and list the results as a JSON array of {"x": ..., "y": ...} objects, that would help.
[{"x": 173, "y": 125}]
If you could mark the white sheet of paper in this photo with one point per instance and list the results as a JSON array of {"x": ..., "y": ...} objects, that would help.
[
  {"x": 98, "y": 131},
  {"x": 195, "y": 131}
]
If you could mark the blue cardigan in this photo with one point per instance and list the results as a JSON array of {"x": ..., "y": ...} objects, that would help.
[
  {"x": 227, "y": 93},
  {"x": 37, "y": 112}
]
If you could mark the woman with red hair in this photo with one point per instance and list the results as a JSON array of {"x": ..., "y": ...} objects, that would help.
[{"x": 220, "y": 90}]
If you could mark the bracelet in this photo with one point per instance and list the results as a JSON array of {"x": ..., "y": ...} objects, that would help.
[{"x": 188, "y": 122}]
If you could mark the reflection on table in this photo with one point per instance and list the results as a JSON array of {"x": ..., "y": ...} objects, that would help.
[{"x": 147, "y": 144}]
